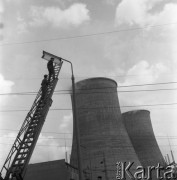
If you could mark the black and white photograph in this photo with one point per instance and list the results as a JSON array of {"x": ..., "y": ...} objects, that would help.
[{"x": 88, "y": 89}]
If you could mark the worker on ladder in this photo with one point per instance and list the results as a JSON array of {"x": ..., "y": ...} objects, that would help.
[
  {"x": 44, "y": 85},
  {"x": 50, "y": 68}
]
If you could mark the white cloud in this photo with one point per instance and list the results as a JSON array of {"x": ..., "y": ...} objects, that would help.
[
  {"x": 5, "y": 87},
  {"x": 132, "y": 12},
  {"x": 147, "y": 73},
  {"x": 144, "y": 73},
  {"x": 169, "y": 13},
  {"x": 75, "y": 15},
  {"x": 1, "y": 6},
  {"x": 2, "y": 9},
  {"x": 155, "y": 44},
  {"x": 6, "y": 141},
  {"x": 22, "y": 25},
  {"x": 66, "y": 124},
  {"x": 47, "y": 148},
  {"x": 162, "y": 116},
  {"x": 138, "y": 12}
]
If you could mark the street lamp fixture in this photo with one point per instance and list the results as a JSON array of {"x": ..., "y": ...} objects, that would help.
[{"x": 47, "y": 56}]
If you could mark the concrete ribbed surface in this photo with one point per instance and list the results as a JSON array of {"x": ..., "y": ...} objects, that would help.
[
  {"x": 104, "y": 139},
  {"x": 139, "y": 128}
]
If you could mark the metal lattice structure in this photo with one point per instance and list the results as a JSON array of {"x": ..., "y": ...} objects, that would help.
[{"x": 19, "y": 156}]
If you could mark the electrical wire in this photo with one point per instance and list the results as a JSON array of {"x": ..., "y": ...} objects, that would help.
[
  {"x": 12, "y": 137},
  {"x": 45, "y": 132},
  {"x": 108, "y": 107},
  {"x": 58, "y": 92},
  {"x": 71, "y": 146},
  {"x": 159, "y": 137},
  {"x": 133, "y": 85},
  {"x": 102, "y": 76},
  {"x": 86, "y": 35},
  {"x": 40, "y": 145}
]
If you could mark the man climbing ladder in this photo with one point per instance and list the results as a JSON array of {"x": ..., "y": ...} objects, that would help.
[{"x": 50, "y": 68}]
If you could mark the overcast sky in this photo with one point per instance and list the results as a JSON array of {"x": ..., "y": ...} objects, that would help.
[{"x": 140, "y": 48}]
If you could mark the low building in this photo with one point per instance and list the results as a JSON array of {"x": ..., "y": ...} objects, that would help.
[{"x": 53, "y": 170}]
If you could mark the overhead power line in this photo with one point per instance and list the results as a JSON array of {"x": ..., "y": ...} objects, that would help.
[
  {"x": 86, "y": 35},
  {"x": 83, "y": 89},
  {"x": 109, "y": 107},
  {"x": 60, "y": 93},
  {"x": 103, "y": 76},
  {"x": 41, "y": 145},
  {"x": 45, "y": 132},
  {"x": 132, "y": 91},
  {"x": 58, "y": 133},
  {"x": 65, "y": 138},
  {"x": 46, "y": 138},
  {"x": 71, "y": 146},
  {"x": 148, "y": 84}
]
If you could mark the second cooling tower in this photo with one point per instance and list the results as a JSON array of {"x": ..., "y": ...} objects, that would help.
[
  {"x": 139, "y": 128},
  {"x": 103, "y": 137}
]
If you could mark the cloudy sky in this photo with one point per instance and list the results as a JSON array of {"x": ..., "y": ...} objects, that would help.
[{"x": 130, "y": 41}]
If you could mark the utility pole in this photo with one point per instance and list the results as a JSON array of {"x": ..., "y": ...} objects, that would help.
[
  {"x": 173, "y": 159},
  {"x": 75, "y": 120},
  {"x": 105, "y": 167},
  {"x": 168, "y": 159},
  {"x": 76, "y": 127}
]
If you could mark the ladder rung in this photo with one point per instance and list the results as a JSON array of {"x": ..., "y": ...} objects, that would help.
[
  {"x": 32, "y": 127},
  {"x": 30, "y": 136},
  {"x": 34, "y": 120},
  {"x": 26, "y": 142},
  {"x": 34, "y": 123},
  {"x": 21, "y": 158},
  {"x": 29, "y": 131},
  {"x": 37, "y": 115},
  {"x": 25, "y": 147},
  {"x": 26, "y": 139},
  {"x": 16, "y": 165},
  {"x": 23, "y": 153}
]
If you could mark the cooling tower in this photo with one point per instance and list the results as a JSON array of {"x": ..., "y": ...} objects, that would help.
[
  {"x": 140, "y": 131},
  {"x": 103, "y": 137}
]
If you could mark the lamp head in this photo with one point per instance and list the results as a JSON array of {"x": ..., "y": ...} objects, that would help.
[{"x": 47, "y": 56}]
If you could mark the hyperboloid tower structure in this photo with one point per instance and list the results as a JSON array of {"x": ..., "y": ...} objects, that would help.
[
  {"x": 139, "y": 128},
  {"x": 103, "y": 137}
]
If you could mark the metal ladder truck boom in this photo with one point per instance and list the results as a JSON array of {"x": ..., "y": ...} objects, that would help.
[{"x": 19, "y": 156}]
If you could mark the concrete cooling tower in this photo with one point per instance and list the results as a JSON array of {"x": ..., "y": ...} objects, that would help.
[
  {"x": 103, "y": 137},
  {"x": 140, "y": 131}
]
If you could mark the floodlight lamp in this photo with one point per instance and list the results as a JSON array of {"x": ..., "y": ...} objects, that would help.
[{"x": 47, "y": 56}]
